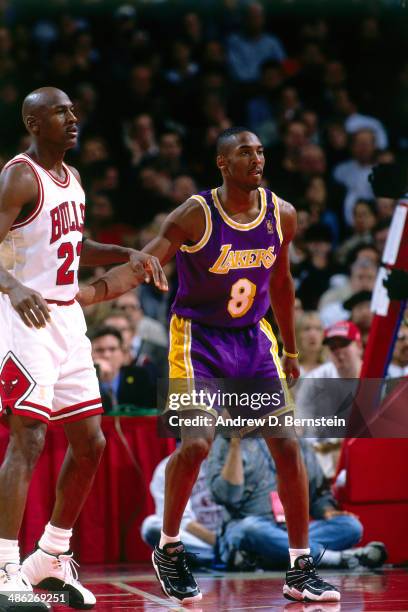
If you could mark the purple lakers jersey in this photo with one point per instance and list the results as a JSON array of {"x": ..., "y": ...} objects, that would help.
[{"x": 224, "y": 278}]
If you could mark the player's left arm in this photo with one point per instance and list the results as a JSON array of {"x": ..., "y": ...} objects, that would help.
[
  {"x": 282, "y": 292},
  {"x": 143, "y": 266}
]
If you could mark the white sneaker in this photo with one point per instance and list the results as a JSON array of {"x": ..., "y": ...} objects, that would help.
[
  {"x": 58, "y": 573},
  {"x": 13, "y": 586}
]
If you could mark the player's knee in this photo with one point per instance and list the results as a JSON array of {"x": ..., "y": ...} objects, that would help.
[
  {"x": 195, "y": 450},
  {"x": 90, "y": 449},
  {"x": 27, "y": 444}
]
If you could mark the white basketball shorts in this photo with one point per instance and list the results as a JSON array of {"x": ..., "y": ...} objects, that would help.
[{"x": 47, "y": 373}]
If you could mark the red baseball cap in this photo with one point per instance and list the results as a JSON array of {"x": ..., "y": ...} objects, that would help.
[{"x": 342, "y": 329}]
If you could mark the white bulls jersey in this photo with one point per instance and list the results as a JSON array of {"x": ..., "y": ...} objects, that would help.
[{"x": 42, "y": 250}]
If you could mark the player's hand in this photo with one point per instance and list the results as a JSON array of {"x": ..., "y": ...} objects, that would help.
[
  {"x": 30, "y": 305},
  {"x": 291, "y": 368},
  {"x": 148, "y": 267}
]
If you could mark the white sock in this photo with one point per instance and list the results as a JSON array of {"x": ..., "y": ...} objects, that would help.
[
  {"x": 165, "y": 539},
  {"x": 9, "y": 552},
  {"x": 294, "y": 553},
  {"x": 55, "y": 540}
]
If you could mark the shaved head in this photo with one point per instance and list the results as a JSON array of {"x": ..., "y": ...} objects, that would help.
[{"x": 40, "y": 99}]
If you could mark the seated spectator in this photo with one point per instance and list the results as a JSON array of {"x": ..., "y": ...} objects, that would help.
[
  {"x": 121, "y": 321},
  {"x": 362, "y": 278},
  {"x": 309, "y": 332},
  {"x": 399, "y": 363},
  {"x": 364, "y": 220},
  {"x": 247, "y": 50},
  {"x": 343, "y": 340},
  {"x": 354, "y": 173},
  {"x": 345, "y": 360},
  {"x": 139, "y": 139},
  {"x": 254, "y": 528},
  {"x": 380, "y": 234},
  {"x": 297, "y": 248},
  {"x": 262, "y": 109},
  {"x": 336, "y": 143},
  {"x": 360, "y": 312},
  {"x": 354, "y": 121},
  {"x": 363, "y": 251},
  {"x": 313, "y": 275},
  {"x": 317, "y": 198},
  {"x": 201, "y": 520},
  {"x": 119, "y": 384},
  {"x": 150, "y": 340}
]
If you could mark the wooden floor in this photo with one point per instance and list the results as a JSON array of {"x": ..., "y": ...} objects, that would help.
[{"x": 135, "y": 588}]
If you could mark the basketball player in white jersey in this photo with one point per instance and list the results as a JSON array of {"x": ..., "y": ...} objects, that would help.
[{"x": 46, "y": 370}]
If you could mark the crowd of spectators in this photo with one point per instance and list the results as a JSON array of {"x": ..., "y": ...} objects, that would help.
[{"x": 153, "y": 86}]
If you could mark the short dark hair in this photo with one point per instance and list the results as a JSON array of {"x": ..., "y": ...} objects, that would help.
[
  {"x": 107, "y": 330},
  {"x": 371, "y": 205},
  {"x": 227, "y": 135}
]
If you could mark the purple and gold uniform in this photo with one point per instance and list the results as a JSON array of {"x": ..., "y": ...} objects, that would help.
[{"x": 217, "y": 328}]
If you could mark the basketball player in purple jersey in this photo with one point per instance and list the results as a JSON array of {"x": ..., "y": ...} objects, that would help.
[{"x": 231, "y": 246}]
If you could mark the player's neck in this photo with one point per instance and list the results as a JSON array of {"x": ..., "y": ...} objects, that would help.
[
  {"x": 235, "y": 199},
  {"x": 47, "y": 157}
]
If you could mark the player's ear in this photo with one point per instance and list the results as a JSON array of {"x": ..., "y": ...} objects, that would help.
[
  {"x": 31, "y": 123},
  {"x": 221, "y": 162}
]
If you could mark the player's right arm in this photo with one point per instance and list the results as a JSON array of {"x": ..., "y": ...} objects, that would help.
[
  {"x": 18, "y": 194},
  {"x": 184, "y": 225}
]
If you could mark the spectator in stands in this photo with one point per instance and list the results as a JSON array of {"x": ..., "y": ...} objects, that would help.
[
  {"x": 282, "y": 165},
  {"x": 313, "y": 275},
  {"x": 343, "y": 340},
  {"x": 380, "y": 234},
  {"x": 297, "y": 248},
  {"x": 362, "y": 278},
  {"x": 346, "y": 107},
  {"x": 320, "y": 393},
  {"x": 242, "y": 477},
  {"x": 399, "y": 363},
  {"x": 201, "y": 520},
  {"x": 170, "y": 157},
  {"x": 309, "y": 332},
  {"x": 182, "y": 67},
  {"x": 248, "y": 50},
  {"x": 140, "y": 140},
  {"x": 263, "y": 108},
  {"x": 150, "y": 340},
  {"x": 354, "y": 173},
  {"x": 364, "y": 221},
  {"x": 184, "y": 186},
  {"x": 360, "y": 312},
  {"x": 119, "y": 384},
  {"x": 336, "y": 144},
  {"x": 317, "y": 198},
  {"x": 123, "y": 323}
]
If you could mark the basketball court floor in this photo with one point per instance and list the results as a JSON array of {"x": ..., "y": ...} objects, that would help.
[{"x": 135, "y": 588}]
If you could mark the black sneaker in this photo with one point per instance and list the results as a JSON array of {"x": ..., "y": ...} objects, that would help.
[
  {"x": 174, "y": 574},
  {"x": 303, "y": 583}
]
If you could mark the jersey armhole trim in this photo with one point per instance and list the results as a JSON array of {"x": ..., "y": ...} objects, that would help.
[
  {"x": 277, "y": 215},
  {"x": 208, "y": 228},
  {"x": 40, "y": 198}
]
